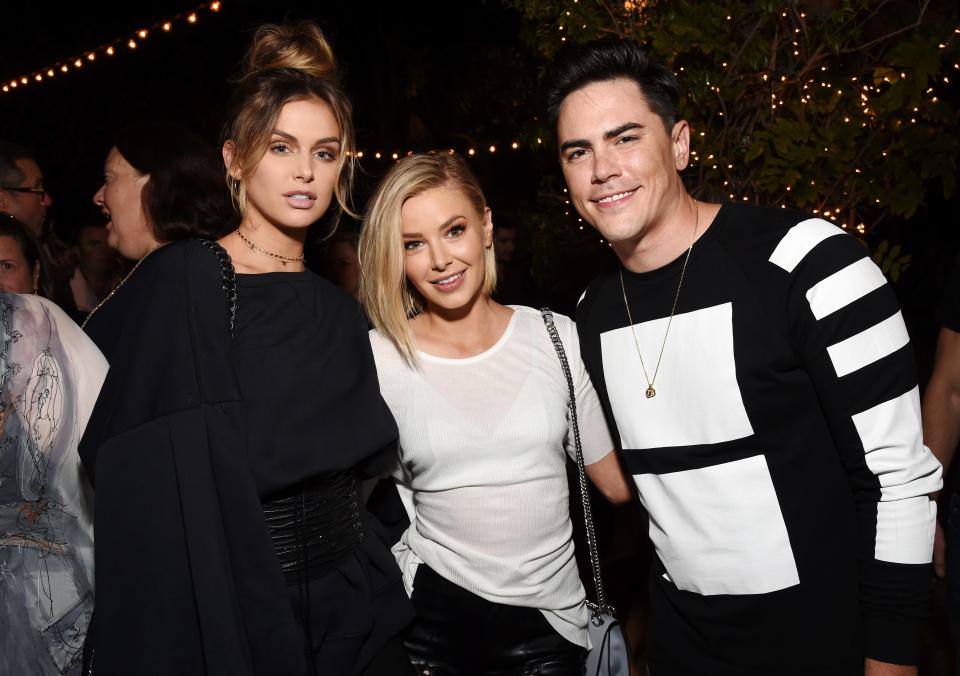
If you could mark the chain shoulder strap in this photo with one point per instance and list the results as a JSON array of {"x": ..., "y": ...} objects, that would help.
[
  {"x": 228, "y": 278},
  {"x": 601, "y": 606}
]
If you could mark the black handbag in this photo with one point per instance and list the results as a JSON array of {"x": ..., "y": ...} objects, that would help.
[{"x": 609, "y": 655}]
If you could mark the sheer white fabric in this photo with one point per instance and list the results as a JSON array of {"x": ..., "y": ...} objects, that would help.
[
  {"x": 482, "y": 467},
  {"x": 50, "y": 375}
]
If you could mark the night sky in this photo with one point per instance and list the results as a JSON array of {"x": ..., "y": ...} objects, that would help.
[{"x": 418, "y": 74}]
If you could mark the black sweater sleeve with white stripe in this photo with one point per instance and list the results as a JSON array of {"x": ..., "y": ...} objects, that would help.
[
  {"x": 781, "y": 460},
  {"x": 858, "y": 354}
]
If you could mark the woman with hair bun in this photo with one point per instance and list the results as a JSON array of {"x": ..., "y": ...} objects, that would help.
[{"x": 240, "y": 411}]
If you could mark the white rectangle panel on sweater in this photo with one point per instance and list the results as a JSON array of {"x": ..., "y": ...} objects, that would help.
[
  {"x": 697, "y": 373},
  {"x": 719, "y": 529}
]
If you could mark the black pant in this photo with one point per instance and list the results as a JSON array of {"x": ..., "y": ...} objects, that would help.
[{"x": 457, "y": 633}]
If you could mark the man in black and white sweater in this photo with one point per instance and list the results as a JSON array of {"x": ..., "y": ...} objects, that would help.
[{"x": 758, "y": 379}]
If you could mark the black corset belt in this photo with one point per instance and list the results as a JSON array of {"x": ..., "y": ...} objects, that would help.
[{"x": 315, "y": 524}]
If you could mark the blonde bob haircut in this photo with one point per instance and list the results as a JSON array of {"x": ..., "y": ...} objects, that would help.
[
  {"x": 284, "y": 63},
  {"x": 389, "y": 298}
]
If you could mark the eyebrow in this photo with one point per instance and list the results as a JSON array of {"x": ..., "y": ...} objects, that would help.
[
  {"x": 607, "y": 135},
  {"x": 442, "y": 226},
  {"x": 328, "y": 139}
]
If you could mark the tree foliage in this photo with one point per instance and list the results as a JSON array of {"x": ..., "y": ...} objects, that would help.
[{"x": 841, "y": 107}]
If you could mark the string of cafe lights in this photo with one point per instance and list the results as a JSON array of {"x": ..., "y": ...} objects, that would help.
[
  {"x": 109, "y": 49},
  {"x": 471, "y": 151}
]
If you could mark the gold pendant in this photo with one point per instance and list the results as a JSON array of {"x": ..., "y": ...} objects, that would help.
[{"x": 651, "y": 393}]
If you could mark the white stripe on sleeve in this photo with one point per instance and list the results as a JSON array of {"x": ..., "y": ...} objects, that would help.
[
  {"x": 869, "y": 345},
  {"x": 844, "y": 287},
  {"x": 908, "y": 472},
  {"x": 800, "y": 240}
]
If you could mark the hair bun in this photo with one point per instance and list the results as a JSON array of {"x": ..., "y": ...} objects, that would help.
[{"x": 299, "y": 46}]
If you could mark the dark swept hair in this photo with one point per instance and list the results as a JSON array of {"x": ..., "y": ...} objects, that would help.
[
  {"x": 11, "y": 227},
  {"x": 185, "y": 196},
  {"x": 10, "y": 173},
  {"x": 576, "y": 66}
]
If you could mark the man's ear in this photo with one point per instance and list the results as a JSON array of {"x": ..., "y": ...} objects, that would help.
[{"x": 680, "y": 139}]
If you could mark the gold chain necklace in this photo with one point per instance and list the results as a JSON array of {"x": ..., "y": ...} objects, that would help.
[
  {"x": 283, "y": 259},
  {"x": 117, "y": 287},
  {"x": 651, "y": 391}
]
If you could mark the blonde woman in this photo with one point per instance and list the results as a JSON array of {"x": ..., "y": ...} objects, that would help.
[
  {"x": 480, "y": 400},
  {"x": 240, "y": 409}
]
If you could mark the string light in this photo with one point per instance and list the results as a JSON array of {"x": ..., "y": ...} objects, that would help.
[{"x": 109, "y": 48}]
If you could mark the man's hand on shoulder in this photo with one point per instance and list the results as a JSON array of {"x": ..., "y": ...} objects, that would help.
[{"x": 874, "y": 668}]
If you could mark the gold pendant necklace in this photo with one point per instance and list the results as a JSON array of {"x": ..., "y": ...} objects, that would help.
[
  {"x": 117, "y": 287},
  {"x": 283, "y": 259},
  {"x": 651, "y": 391}
]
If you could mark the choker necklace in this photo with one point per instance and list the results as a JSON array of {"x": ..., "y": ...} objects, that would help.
[
  {"x": 283, "y": 259},
  {"x": 651, "y": 392}
]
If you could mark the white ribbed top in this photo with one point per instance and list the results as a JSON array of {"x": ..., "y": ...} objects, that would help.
[{"x": 482, "y": 466}]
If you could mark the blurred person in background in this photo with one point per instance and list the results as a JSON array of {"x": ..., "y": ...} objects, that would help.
[
  {"x": 23, "y": 195},
  {"x": 161, "y": 183},
  {"x": 340, "y": 262},
  {"x": 20, "y": 265},
  {"x": 98, "y": 267}
]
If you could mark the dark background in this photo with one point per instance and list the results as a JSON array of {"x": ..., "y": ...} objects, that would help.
[
  {"x": 419, "y": 75},
  {"x": 422, "y": 75}
]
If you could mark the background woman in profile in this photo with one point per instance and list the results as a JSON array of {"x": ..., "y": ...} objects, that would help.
[
  {"x": 161, "y": 183},
  {"x": 480, "y": 400},
  {"x": 240, "y": 409}
]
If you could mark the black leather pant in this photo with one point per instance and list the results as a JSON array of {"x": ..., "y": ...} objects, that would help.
[{"x": 457, "y": 633}]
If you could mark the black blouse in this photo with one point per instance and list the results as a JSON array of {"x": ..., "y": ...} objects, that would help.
[
  {"x": 311, "y": 399},
  {"x": 198, "y": 427}
]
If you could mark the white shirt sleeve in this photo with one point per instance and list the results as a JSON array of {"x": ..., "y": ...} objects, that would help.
[{"x": 594, "y": 435}]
